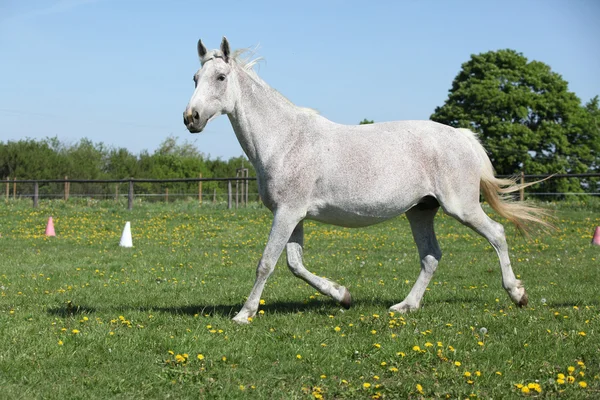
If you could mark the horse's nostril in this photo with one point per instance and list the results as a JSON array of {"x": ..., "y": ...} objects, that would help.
[{"x": 196, "y": 115}]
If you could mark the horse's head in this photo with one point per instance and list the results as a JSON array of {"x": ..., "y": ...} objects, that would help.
[{"x": 214, "y": 92}]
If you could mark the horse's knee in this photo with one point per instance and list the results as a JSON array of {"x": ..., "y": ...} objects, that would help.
[
  {"x": 265, "y": 268},
  {"x": 430, "y": 262}
]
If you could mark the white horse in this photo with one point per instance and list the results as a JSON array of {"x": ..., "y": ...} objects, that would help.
[{"x": 311, "y": 168}]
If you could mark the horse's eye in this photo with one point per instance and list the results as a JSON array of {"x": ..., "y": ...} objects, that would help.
[{"x": 221, "y": 77}]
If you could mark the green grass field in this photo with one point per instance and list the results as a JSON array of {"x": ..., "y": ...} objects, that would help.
[{"x": 81, "y": 317}]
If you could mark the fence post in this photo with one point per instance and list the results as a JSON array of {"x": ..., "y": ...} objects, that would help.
[
  {"x": 229, "y": 194},
  {"x": 36, "y": 190},
  {"x": 167, "y": 195},
  {"x": 66, "y": 188},
  {"x": 7, "y": 187},
  {"x": 14, "y": 187},
  {"x": 214, "y": 195},
  {"x": 237, "y": 201},
  {"x": 522, "y": 190},
  {"x": 200, "y": 190},
  {"x": 130, "y": 196},
  {"x": 116, "y": 192}
]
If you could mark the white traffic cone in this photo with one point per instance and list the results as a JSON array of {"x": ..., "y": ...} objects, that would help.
[{"x": 126, "y": 236}]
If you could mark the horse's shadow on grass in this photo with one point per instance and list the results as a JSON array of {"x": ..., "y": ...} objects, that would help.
[
  {"x": 324, "y": 307},
  {"x": 222, "y": 310}
]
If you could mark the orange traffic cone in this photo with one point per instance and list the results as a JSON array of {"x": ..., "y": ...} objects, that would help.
[
  {"x": 50, "y": 228},
  {"x": 596, "y": 238}
]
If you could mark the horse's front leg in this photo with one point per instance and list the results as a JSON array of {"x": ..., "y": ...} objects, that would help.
[
  {"x": 325, "y": 286},
  {"x": 284, "y": 222}
]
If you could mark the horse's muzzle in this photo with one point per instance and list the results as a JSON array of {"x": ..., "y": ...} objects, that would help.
[{"x": 191, "y": 120}]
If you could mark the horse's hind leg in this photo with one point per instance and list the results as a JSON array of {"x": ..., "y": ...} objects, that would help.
[
  {"x": 325, "y": 286},
  {"x": 474, "y": 217},
  {"x": 421, "y": 224}
]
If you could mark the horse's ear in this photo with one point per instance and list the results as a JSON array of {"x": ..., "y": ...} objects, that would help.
[
  {"x": 201, "y": 49},
  {"x": 225, "y": 49}
]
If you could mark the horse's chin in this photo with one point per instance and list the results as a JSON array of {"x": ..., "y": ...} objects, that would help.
[{"x": 194, "y": 130}]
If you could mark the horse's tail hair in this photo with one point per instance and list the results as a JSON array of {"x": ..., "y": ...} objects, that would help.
[{"x": 496, "y": 192}]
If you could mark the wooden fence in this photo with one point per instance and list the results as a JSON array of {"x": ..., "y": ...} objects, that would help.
[{"x": 240, "y": 194}]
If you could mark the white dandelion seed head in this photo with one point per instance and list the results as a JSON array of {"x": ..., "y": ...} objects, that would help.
[{"x": 483, "y": 330}]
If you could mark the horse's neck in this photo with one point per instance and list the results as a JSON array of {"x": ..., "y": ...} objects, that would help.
[{"x": 263, "y": 122}]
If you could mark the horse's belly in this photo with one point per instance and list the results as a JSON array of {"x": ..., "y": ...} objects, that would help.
[{"x": 354, "y": 215}]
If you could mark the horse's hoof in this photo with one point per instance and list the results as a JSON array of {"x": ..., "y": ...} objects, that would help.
[
  {"x": 241, "y": 319},
  {"x": 346, "y": 301},
  {"x": 524, "y": 300},
  {"x": 403, "y": 308},
  {"x": 518, "y": 295}
]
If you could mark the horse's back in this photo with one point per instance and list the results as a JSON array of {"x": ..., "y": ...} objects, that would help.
[{"x": 370, "y": 173}]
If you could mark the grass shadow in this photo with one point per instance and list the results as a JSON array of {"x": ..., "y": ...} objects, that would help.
[
  {"x": 324, "y": 306},
  {"x": 69, "y": 309}
]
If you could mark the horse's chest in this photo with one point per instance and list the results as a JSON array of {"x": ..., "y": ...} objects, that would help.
[{"x": 282, "y": 190}]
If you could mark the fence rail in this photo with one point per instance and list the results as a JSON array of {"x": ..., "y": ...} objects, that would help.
[
  {"x": 241, "y": 193},
  {"x": 30, "y": 188}
]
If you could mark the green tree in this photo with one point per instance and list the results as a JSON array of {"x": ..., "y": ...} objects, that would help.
[
  {"x": 366, "y": 122},
  {"x": 524, "y": 115}
]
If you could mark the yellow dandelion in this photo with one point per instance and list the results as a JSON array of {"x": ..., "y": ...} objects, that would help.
[
  {"x": 419, "y": 388},
  {"x": 467, "y": 374},
  {"x": 337, "y": 329},
  {"x": 75, "y": 331},
  {"x": 428, "y": 344},
  {"x": 560, "y": 381},
  {"x": 298, "y": 356},
  {"x": 525, "y": 390},
  {"x": 571, "y": 369},
  {"x": 416, "y": 348},
  {"x": 262, "y": 302},
  {"x": 377, "y": 345},
  {"x": 200, "y": 357},
  {"x": 366, "y": 385},
  {"x": 570, "y": 379},
  {"x": 457, "y": 363},
  {"x": 60, "y": 342},
  {"x": 582, "y": 384}
]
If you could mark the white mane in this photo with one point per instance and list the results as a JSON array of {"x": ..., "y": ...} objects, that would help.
[{"x": 246, "y": 60}]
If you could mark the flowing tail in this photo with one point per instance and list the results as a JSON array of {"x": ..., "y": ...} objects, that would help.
[{"x": 496, "y": 190}]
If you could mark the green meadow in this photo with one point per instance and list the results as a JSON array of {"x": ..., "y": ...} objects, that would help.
[{"x": 82, "y": 318}]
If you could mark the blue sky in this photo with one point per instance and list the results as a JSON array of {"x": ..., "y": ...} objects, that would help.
[{"x": 120, "y": 71}]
